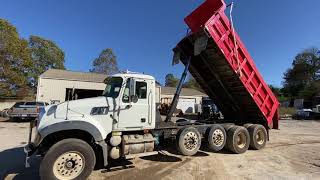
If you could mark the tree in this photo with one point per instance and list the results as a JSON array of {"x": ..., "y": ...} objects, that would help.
[
  {"x": 171, "y": 81},
  {"x": 305, "y": 70},
  {"x": 193, "y": 84},
  {"x": 311, "y": 90},
  {"x": 45, "y": 55},
  {"x": 276, "y": 91},
  {"x": 279, "y": 93},
  {"x": 15, "y": 60},
  {"x": 106, "y": 63}
]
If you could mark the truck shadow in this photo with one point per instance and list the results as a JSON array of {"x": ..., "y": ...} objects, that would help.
[
  {"x": 12, "y": 165},
  {"x": 117, "y": 165},
  {"x": 162, "y": 157},
  {"x": 171, "y": 148},
  {"x": 12, "y": 162}
]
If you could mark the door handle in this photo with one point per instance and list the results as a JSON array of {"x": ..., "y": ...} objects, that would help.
[
  {"x": 143, "y": 119},
  {"x": 128, "y": 106}
]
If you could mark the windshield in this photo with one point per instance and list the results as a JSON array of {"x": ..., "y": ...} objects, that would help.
[
  {"x": 113, "y": 87},
  {"x": 207, "y": 102},
  {"x": 18, "y": 104}
]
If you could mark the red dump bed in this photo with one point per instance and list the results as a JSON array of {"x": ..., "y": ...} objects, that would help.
[{"x": 234, "y": 83}]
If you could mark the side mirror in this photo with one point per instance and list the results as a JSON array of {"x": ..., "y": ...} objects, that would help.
[
  {"x": 132, "y": 84},
  {"x": 134, "y": 98},
  {"x": 132, "y": 93}
]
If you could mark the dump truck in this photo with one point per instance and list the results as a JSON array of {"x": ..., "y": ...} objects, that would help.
[{"x": 75, "y": 136}]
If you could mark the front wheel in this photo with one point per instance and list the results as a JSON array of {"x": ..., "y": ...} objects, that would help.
[{"x": 68, "y": 159}]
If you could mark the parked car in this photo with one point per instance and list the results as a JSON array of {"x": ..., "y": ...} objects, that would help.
[{"x": 25, "y": 110}]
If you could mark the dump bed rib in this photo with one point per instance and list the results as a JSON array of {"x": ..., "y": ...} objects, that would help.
[{"x": 233, "y": 82}]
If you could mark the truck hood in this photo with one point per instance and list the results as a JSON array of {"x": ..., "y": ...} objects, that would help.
[
  {"x": 83, "y": 107},
  {"x": 78, "y": 116}
]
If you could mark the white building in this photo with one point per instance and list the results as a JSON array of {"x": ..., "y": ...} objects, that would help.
[
  {"x": 55, "y": 86},
  {"x": 188, "y": 99}
]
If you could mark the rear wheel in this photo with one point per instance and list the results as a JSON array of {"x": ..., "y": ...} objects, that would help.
[
  {"x": 238, "y": 139},
  {"x": 68, "y": 159},
  {"x": 227, "y": 126},
  {"x": 247, "y": 125},
  {"x": 188, "y": 141},
  {"x": 216, "y": 137},
  {"x": 258, "y": 136}
]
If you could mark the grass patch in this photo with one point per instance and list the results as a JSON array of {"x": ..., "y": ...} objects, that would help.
[{"x": 287, "y": 110}]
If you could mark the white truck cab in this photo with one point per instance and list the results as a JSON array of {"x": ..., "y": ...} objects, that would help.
[{"x": 127, "y": 104}]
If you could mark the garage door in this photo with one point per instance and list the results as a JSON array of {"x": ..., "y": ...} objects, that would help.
[{"x": 186, "y": 105}]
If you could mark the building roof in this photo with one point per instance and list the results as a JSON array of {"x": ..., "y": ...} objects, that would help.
[
  {"x": 73, "y": 75},
  {"x": 134, "y": 75},
  {"x": 184, "y": 91}
]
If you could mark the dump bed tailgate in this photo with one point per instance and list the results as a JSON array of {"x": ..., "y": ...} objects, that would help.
[{"x": 224, "y": 69}]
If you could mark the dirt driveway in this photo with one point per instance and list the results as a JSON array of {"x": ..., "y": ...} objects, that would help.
[{"x": 293, "y": 152}]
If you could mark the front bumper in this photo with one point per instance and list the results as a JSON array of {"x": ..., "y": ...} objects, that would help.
[
  {"x": 29, "y": 149},
  {"x": 23, "y": 115},
  {"x": 33, "y": 142}
]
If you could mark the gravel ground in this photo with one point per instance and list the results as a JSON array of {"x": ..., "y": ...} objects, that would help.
[{"x": 293, "y": 152}]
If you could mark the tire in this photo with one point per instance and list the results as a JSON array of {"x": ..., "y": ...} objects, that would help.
[
  {"x": 258, "y": 136},
  {"x": 5, "y": 113},
  {"x": 227, "y": 126},
  {"x": 82, "y": 157},
  {"x": 216, "y": 137},
  {"x": 247, "y": 125},
  {"x": 188, "y": 141},
  {"x": 238, "y": 139}
]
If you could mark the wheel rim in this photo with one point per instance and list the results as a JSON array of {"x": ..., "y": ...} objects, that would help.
[
  {"x": 241, "y": 140},
  {"x": 69, "y": 165},
  {"x": 260, "y": 137},
  {"x": 217, "y": 137},
  {"x": 190, "y": 141}
]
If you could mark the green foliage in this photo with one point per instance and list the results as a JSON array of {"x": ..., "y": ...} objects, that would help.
[
  {"x": 15, "y": 60},
  {"x": 304, "y": 71},
  {"x": 45, "y": 55},
  {"x": 283, "y": 98},
  {"x": 106, "y": 63},
  {"x": 278, "y": 92},
  {"x": 192, "y": 83},
  {"x": 275, "y": 90},
  {"x": 171, "y": 81},
  {"x": 313, "y": 89}
]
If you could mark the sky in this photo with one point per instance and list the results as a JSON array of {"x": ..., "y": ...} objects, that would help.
[{"x": 142, "y": 33}]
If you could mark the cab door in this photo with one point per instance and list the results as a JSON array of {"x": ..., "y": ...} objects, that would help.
[{"x": 134, "y": 115}]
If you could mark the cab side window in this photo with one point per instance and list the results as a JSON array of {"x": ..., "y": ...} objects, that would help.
[{"x": 141, "y": 90}]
